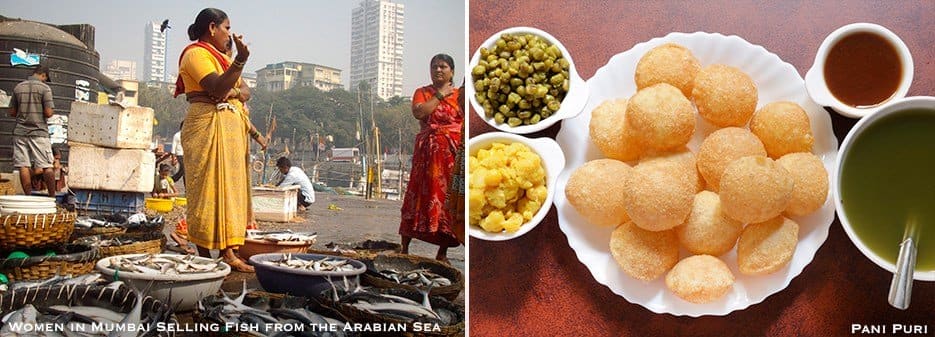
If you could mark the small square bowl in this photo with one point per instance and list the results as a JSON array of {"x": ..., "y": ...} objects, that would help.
[
  {"x": 553, "y": 160},
  {"x": 572, "y": 104}
]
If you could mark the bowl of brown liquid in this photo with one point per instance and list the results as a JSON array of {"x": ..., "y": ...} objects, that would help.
[{"x": 859, "y": 68}]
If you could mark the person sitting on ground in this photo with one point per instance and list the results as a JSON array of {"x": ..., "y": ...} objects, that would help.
[
  {"x": 292, "y": 175},
  {"x": 165, "y": 188}
]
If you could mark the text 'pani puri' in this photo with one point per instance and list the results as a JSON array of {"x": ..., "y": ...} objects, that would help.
[
  {"x": 610, "y": 133},
  {"x": 700, "y": 279},
  {"x": 755, "y": 189},
  {"x": 722, "y": 147},
  {"x": 596, "y": 191},
  {"x": 708, "y": 230},
  {"x": 811, "y": 182},
  {"x": 656, "y": 201},
  {"x": 661, "y": 117},
  {"x": 784, "y": 128},
  {"x": 768, "y": 246},
  {"x": 668, "y": 63},
  {"x": 724, "y": 95},
  {"x": 642, "y": 254}
]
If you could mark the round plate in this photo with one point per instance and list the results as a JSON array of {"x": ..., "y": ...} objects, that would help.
[{"x": 775, "y": 80}]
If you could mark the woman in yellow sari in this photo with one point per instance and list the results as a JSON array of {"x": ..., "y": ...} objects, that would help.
[{"x": 214, "y": 136}]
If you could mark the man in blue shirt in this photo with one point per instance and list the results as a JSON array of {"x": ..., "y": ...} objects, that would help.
[
  {"x": 292, "y": 175},
  {"x": 32, "y": 105}
]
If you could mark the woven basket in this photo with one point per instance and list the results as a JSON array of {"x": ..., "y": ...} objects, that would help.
[
  {"x": 72, "y": 260},
  {"x": 120, "y": 299},
  {"x": 24, "y": 231},
  {"x": 410, "y": 262},
  {"x": 6, "y": 187},
  {"x": 148, "y": 243},
  {"x": 356, "y": 315}
]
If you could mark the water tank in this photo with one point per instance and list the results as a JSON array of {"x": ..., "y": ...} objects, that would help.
[{"x": 74, "y": 70}]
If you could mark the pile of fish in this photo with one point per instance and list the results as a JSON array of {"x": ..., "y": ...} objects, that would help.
[
  {"x": 325, "y": 264},
  {"x": 282, "y": 236},
  {"x": 418, "y": 278},
  {"x": 85, "y": 222},
  {"x": 110, "y": 242},
  {"x": 258, "y": 313},
  {"x": 392, "y": 306},
  {"x": 164, "y": 264},
  {"x": 82, "y": 311},
  {"x": 87, "y": 279}
]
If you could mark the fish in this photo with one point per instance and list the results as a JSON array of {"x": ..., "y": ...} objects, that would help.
[
  {"x": 325, "y": 264},
  {"x": 224, "y": 308},
  {"x": 283, "y": 235},
  {"x": 164, "y": 264},
  {"x": 418, "y": 278}
]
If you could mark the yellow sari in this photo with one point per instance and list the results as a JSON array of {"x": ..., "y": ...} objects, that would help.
[{"x": 217, "y": 178}]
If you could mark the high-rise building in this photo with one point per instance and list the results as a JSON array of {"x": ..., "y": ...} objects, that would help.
[
  {"x": 154, "y": 56},
  {"x": 286, "y": 75},
  {"x": 377, "y": 47},
  {"x": 120, "y": 70}
]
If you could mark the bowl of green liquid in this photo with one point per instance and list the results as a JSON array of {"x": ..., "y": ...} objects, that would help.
[{"x": 885, "y": 183}]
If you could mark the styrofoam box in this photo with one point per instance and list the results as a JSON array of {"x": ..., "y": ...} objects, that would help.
[
  {"x": 275, "y": 203},
  {"x": 100, "y": 168},
  {"x": 111, "y": 125}
]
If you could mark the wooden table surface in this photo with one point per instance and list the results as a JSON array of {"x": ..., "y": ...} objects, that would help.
[{"x": 535, "y": 285}]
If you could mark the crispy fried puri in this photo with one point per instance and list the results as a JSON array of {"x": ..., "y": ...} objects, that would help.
[
  {"x": 596, "y": 191},
  {"x": 642, "y": 254},
  {"x": 610, "y": 133},
  {"x": 661, "y": 117},
  {"x": 708, "y": 230},
  {"x": 722, "y": 147},
  {"x": 724, "y": 95},
  {"x": 811, "y": 182},
  {"x": 656, "y": 201},
  {"x": 700, "y": 279},
  {"x": 680, "y": 164},
  {"x": 768, "y": 246},
  {"x": 668, "y": 63},
  {"x": 755, "y": 189},
  {"x": 784, "y": 128}
]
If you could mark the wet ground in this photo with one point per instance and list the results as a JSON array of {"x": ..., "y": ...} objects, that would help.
[{"x": 343, "y": 219}]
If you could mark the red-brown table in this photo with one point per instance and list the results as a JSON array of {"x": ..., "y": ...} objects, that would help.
[{"x": 535, "y": 286}]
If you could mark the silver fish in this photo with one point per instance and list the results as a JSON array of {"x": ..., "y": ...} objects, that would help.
[
  {"x": 325, "y": 264},
  {"x": 419, "y": 278}
]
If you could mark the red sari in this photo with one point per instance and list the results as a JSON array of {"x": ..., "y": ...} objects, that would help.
[{"x": 424, "y": 215}]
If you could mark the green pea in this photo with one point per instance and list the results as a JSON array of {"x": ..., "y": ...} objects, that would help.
[
  {"x": 554, "y": 106},
  {"x": 524, "y": 114},
  {"x": 534, "y": 119},
  {"x": 524, "y": 104},
  {"x": 514, "y": 122},
  {"x": 557, "y": 79},
  {"x": 498, "y": 117},
  {"x": 479, "y": 70}
]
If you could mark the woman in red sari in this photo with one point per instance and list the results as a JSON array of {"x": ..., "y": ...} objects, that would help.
[{"x": 424, "y": 215}]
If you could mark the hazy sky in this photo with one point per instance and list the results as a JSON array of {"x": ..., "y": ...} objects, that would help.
[{"x": 313, "y": 31}]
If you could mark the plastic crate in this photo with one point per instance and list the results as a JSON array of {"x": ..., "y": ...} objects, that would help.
[{"x": 109, "y": 202}]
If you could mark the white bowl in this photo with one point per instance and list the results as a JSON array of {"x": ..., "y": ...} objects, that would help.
[
  {"x": 815, "y": 77},
  {"x": 552, "y": 158},
  {"x": 572, "y": 104},
  {"x": 888, "y": 109},
  {"x": 187, "y": 288}
]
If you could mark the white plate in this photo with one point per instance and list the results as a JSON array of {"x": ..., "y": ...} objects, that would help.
[{"x": 775, "y": 80}]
